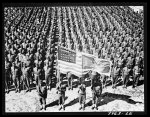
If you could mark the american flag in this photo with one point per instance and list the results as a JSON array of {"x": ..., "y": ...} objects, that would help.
[{"x": 80, "y": 63}]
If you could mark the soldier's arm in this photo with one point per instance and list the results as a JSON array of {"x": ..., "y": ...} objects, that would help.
[
  {"x": 39, "y": 90},
  {"x": 79, "y": 88}
]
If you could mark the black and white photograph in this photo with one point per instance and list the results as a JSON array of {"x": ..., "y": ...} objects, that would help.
[{"x": 74, "y": 58}]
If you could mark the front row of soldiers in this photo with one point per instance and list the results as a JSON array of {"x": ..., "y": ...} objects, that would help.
[{"x": 96, "y": 88}]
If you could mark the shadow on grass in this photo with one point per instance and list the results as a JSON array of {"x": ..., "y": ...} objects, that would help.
[
  {"x": 76, "y": 100},
  {"x": 109, "y": 97},
  {"x": 54, "y": 103}
]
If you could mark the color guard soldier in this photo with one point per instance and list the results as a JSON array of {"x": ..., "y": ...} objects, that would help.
[
  {"x": 61, "y": 88},
  {"x": 96, "y": 93},
  {"x": 93, "y": 78},
  {"x": 42, "y": 93},
  {"x": 69, "y": 77},
  {"x": 82, "y": 94}
]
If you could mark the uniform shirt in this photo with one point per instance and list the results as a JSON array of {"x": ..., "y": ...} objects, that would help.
[
  {"x": 141, "y": 54},
  {"x": 98, "y": 89},
  {"x": 28, "y": 63},
  {"x": 46, "y": 61},
  {"x": 40, "y": 56},
  {"x": 126, "y": 54},
  {"x": 136, "y": 70},
  {"x": 18, "y": 64},
  {"x": 117, "y": 44},
  {"x": 134, "y": 44},
  {"x": 116, "y": 71},
  {"x": 14, "y": 71},
  {"x": 20, "y": 56},
  {"x": 47, "y": 70},
  {"x": 126, "y": 71},
  {"x": 7, "y": 65},
  {"x": 40, "y": 63},
  {"x": 37, "y": 72},
  {"x": 61, "y": 88},
  {"x": 137, "y": 59},
  {"x": 82, "y": 89},
  {"x": 26, "y": 71},
  {"x": 36, "y": 55},
  {"x": 130, "y": 61},
  {"x": 120, "y": 49},
  {"x": 42, "y": 91},
  {"x": 24, "y": 59}
]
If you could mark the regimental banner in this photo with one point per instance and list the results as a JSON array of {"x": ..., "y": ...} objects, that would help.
[
  {"x": 80, "y": 63},
  {"x": 103, "y": 66}
]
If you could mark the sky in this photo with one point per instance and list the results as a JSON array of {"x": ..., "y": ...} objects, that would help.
[{"x": 137, "y": 8}]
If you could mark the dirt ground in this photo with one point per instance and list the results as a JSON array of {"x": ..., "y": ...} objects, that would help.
[{"x": 119, "y": 99}]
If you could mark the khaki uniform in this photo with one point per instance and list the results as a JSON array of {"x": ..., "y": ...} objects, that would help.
[
  {"x": 82, "y": 95},
  {"x": 136, "y": 72},
  {"x": 61, "y": 94},
  {"x": 96, "y": 93},
  {"x": 15, "y": 77},
  {"x": 47, "y": 76},
  {"x": 7, "y": 76},
  {"x": 116, "y": 71},
  {"x": 126, "y": 73},
  {"x": 42, "y": 93}
]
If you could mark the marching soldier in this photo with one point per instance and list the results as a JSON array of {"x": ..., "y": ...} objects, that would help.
[
  {"x": 42, "y": 93},
  {"x": 61, "y": 94},
  {"x": 82, "y": 94}
]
